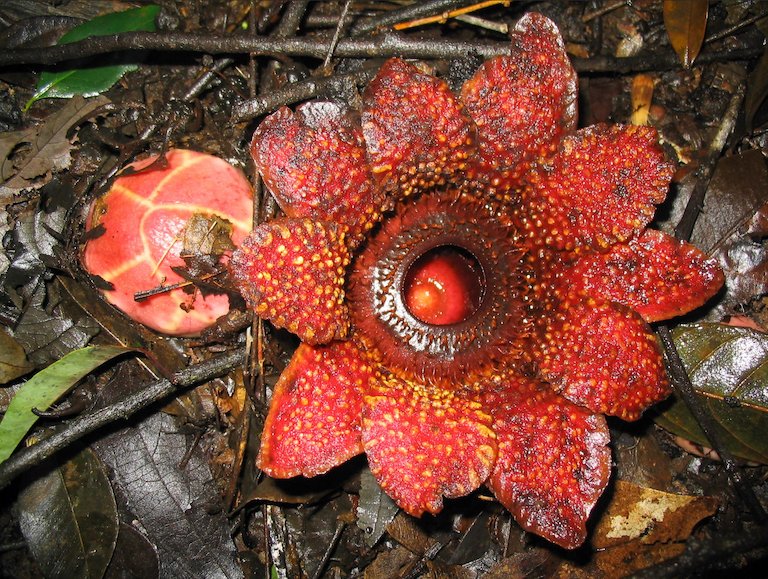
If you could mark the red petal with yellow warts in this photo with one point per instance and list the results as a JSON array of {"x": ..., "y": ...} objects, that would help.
[
  {"x": 291, "y": 272},
  {"x": 553, "y": 461},
  {"x": 314, "y": 163},
  {"x": 599, "y": 189},
  {"x": 416, "y": 131},
  {"x": 423, "y": 446},
  {"x": 522, "y": 103},
  {"x": 603, "y": 356},
  {"x": 655, "y": 274},
  {"x": 314, "y": 417}
]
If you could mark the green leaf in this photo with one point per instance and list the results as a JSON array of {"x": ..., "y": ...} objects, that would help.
[
  {"x": 45, "y": 387},
  {"x": 94, "y": 80},
  {"x": 69, "y": 519},
  {"x": 728, "y": 367}
]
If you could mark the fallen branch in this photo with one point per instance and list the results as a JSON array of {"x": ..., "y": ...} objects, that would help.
[
  {"x": 130, "y": 405},
  {"x": 382, "y": 46}
]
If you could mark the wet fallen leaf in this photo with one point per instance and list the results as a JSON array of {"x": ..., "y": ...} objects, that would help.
[
  {"x": 69, "y": 519},
  {"x": 732, "y": 225},
  {"x": 375, "y": 510},
  {"x": 737, "y": 193},
  {"x": 728, "y": 367},
  {"x": 169, "y": 492},
  {"x": 29, "y": 157},
  {"x": 44, "y": 388},
  {"x": 37, "y": 238},
  {"x": 47, "y": 332},
  {"x": 134, "y": 556},
  {"x": 686, "y": 23}
]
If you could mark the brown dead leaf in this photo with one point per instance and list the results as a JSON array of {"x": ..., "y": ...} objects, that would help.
[
  {"x": 389, "y": 564},
  {"x": 13, "y": 359},
  {"x": 686, "y": 23},
  {"x": 535, "y": 564},
  {"x": 640, "y": 528},
  {"x": 732, "y": 226},
  {"x": 207, "y": 235},
  {"x": 407, "y": 532},
  {"x": 29, "y": 157}
]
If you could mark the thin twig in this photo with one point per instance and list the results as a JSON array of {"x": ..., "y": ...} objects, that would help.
[
  {"x": 610, "y": 7},
  {"x": 449, "y": 14},
  {"x": 128, "y": 406},
  {"x": 329, "y": 551},
  {"x": 389, "y": 44},
  {"x": 295, "y": 92},
  {"x": 337, "y": 34},
  {"x": 410, "y": 12},
  {"x": 292, "y": 18},
  {"x": 192, "y": 93},
  {"x": 735, "y": 28}
]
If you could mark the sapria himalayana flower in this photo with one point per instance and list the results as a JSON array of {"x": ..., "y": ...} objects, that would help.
[{"x": 472, "y": 280}]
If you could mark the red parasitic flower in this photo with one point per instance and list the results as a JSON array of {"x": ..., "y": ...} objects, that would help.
[{"x": 471, "y": 278}]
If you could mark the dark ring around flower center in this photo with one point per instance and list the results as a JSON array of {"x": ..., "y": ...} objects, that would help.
[{"x": 459, "y": 244}]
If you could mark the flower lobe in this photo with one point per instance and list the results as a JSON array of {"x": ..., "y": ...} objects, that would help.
[
  {"x": 314, "y": 419},
  {"x": 291, "y": 272}
]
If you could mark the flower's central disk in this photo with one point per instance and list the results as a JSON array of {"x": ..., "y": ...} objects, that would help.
[
  {"x": 441, "y": 290},
  {"x": 444, "y": 286}
]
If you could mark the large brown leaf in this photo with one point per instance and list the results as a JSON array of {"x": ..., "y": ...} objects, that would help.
[{"x": 686, "y": 22}]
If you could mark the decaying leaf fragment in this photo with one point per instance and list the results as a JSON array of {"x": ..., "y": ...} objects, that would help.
[
  {"x": 648, "y": 516},
  {"x": 641, "y": 527},
  {"x": 29, "y": 157}
]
